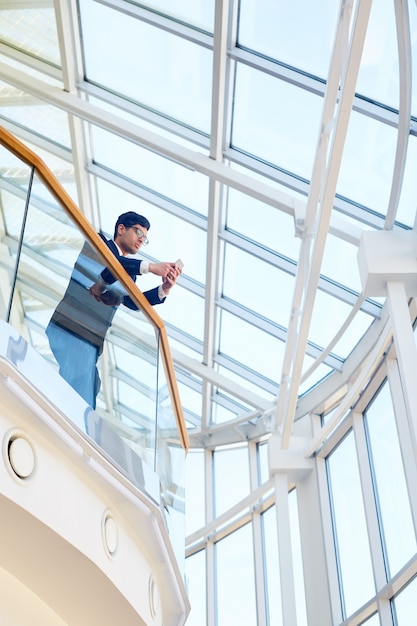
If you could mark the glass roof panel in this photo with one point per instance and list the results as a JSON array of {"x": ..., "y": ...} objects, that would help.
[
  {"x": 199, "y": 13},
  {"x": 174, "y": 80},
  {"x": 340, "y": 263},
  {"x": 378, "y": 75},
  {"x": 257, "y": 285},
  {"x": 47, "y": 120},
  {"x": 366, "y": 174},
  {"x": 262, "y": 223},
  {"x": 158, "y": 79},
  {"x": 312, "y": 374},
  {"x": 280, "y": 129},
  {"x": 407, "y": 202},
  {"x": 168, "y": 179},
  {"x": 277, "y": 30},
  {"x": 193, "y": 323},
  {"x": 32, "y": 30},
  {"x": 328, "y": 315},
  {"x": 250, "y": 346},
  {"x": 251, "y": 384}
]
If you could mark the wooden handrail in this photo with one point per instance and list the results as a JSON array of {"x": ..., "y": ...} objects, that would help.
[{"x": 29, "y": 157}]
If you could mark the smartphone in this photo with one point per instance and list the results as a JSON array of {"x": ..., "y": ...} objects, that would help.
[{"x": 179, "y": 264}]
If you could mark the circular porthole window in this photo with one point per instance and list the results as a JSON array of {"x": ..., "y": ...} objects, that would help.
[
  {"x": 153, "y": 596},
  {"x": 20, "y": 456},
  {"x": 110, "y": 534}
]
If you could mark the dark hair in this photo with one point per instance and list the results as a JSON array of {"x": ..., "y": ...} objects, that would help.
[{"x": 130, "y": 219}]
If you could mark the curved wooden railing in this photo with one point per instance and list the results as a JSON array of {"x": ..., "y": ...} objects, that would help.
[{"x": 29, "y": 157}]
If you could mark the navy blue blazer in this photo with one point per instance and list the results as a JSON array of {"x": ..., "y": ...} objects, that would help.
[{"x": 79, "y": 312}]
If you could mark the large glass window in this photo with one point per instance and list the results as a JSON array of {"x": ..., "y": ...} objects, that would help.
[
  {"x": 235, "y": 579},
  {"x": 350, "y": 531},
  {"x": 391, "y": 489}
]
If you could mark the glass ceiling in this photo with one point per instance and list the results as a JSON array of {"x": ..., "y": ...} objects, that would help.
[{"x": 260, "y": 139}]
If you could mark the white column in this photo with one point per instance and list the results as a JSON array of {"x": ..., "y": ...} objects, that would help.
[
  {"x": 317, "y": 591},
  {"x": 406, "y": 350},
  {"x": 289, "y": 613}
]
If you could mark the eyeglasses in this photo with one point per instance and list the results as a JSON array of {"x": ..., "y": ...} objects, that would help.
[{"x": 140, "y": 235}]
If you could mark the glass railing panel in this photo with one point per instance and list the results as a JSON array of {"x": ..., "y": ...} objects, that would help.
[
  {"x": 54, "y": 310},
  {"x": 16, "y": 178},
  {"x": 136, "y": 418},
  {"x": 170, "y": 466},
  {"x": 133, "y": 395}
]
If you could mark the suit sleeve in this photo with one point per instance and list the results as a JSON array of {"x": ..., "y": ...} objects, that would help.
[
  {"x": 151, "y": 295},
  {"x": 132, "y": 266}
]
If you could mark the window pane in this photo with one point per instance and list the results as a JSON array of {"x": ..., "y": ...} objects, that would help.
[
  {"x": 394, "y": 505},
  {"x": 405, "y": 605},
  {"x": 356, "y": 576},
  {"x": 198, "y": 13},
  {"x": 175, "y": 81},
  {"x": 239, "y": 266},
  {"x": 231, "y": 473},
  {"x": 236, "y": 602},
  {"x": 250, "y": 346},
  {"x": 195, "y": 569},
  {"x": 276, "y": 30},
  {"x": 151, "y": 171},
  {"x": 281, "y": 128},
  {"x": 195, "y": 490}
]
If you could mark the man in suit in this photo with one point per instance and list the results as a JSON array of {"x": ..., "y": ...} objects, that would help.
[{"x": 79, "y": 324}]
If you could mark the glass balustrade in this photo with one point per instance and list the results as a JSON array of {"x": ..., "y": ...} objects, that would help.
[{"x": 47, "y": 264}]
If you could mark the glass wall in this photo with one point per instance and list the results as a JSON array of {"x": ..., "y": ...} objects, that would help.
[{"x": 47, "y": 267}]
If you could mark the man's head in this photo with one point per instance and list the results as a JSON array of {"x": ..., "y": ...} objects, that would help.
[
  {"x": 131, "y": 219},
  {"x": 130, "y": 232}
]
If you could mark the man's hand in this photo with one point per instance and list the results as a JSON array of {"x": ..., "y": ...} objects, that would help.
[
  {"x": 97, "y": 289},
  {"x": 171, "y": 279},
  {"x": 105, "y": 297},
  {"x": 161, "y": 269}
]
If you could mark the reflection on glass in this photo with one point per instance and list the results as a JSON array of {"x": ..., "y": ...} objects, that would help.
[
  {"x": 17, "y": 176},
  {"x": 236, "y": 602},
  {"x": 393, "y": 500},
  {"x": 31, "y": 29},
  {"x": 350, "y": 532}
]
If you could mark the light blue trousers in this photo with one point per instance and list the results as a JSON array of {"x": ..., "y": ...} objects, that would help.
[{"x": 77, "y": 360}]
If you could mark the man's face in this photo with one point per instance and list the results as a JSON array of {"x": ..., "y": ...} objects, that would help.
[{"x": 131, "y": 238}]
